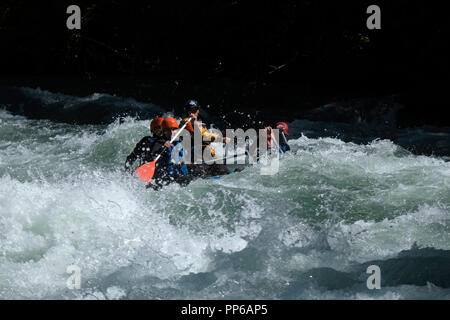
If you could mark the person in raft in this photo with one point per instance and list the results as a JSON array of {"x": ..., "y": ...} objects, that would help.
[
  {"x": 198, "y": 167},
  {"x": 283, "y": 140},
  {"x": 171, "y": 165}
]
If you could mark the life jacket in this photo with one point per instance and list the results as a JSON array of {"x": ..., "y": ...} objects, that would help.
[
  {"x": 207, "y": 137},
  {"x": 146, "y": 148},
  {"x": 171, "y": 164}
]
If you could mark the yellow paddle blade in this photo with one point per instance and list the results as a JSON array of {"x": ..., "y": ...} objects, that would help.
[{"x": 145, "y": 172}]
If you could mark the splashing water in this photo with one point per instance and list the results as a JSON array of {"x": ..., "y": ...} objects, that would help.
[{"x": 306, "y": 232}]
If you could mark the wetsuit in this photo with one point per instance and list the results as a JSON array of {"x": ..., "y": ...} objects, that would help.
[{"x": 140, "y": 152}]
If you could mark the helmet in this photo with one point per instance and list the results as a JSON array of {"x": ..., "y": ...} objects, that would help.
[
  {"x": 156, "y": 122},
  {"x": 191, "y": 104},
  {"x": 286, "y": 127},
  {"x": 170, "y": 123}
]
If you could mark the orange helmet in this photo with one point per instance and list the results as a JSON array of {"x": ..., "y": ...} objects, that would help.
[
  {"x": 170, "y": 123},
  {"x": 157, "y": 122}
]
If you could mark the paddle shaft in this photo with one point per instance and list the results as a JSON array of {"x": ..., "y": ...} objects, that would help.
[
  {"x": 284, "y": 137},
  {"x": 173, "y": 139},
  {"x": 275, "y": 141}
]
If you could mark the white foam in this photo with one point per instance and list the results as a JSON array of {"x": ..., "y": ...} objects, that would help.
[{"x": 63, "y": 201}]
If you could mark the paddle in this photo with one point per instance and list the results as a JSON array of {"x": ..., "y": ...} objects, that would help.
[
  {"x": 147, "y": 170},
  {"x": 275, "y": 141},
  {"x": 284, "y": 137}
]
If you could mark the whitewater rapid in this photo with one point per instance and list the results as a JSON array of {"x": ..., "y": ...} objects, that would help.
[{"x": 307, "y": 232}]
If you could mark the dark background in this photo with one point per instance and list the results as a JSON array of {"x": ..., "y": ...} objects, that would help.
[{"x": 265, "y": 57}]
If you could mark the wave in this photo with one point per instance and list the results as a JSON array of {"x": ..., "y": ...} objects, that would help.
[
  {"x": 98, "y": 108},
  {"x": 307, "y": 232}
]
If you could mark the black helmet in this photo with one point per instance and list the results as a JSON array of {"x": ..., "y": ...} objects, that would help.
[{"x": 191, "y": 105}]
